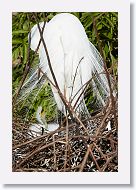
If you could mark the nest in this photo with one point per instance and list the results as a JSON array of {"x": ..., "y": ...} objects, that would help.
[{"x": 71, "y": 148}]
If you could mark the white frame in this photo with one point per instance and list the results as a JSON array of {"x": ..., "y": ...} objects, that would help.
[{"x": 6, "y": 174}]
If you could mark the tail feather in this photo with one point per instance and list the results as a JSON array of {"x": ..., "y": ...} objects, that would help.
[
  {"x": 100, "y": 82},
  {"x": 32, "y": 83}
]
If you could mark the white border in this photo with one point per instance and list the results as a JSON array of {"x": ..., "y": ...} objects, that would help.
[{"x": 9, "y": 177}]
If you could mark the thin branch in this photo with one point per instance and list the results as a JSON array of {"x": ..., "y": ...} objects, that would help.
[
  {"x": 85, "y": 159},
  {"x": 38, "y": 150},
  {"x": 67, "y": 144},
  {"x": 28, "y": 64},
  {"x": 105, "y": 68},
  {"x": 68, "y": 107},
  {"x": 99, "y": 169},
  {"x": 108, "y": 161}
]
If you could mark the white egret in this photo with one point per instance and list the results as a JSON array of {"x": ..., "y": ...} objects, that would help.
[
  {"x": 74, "y": 61},
  {"x": 37, "y": 129}
]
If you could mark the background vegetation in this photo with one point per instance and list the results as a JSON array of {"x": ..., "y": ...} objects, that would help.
[{"x": 107, "y": 26}]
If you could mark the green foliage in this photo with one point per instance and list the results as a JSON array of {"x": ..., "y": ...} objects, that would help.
[
  {"x": 107, "y": 26},
  {"x": 45, "y": 99}
]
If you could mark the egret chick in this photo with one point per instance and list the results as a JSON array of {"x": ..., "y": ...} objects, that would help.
[{"x": 42, "y": 127}]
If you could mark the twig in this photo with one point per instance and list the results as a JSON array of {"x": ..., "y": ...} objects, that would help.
[
  {"x": 28, "y": 65},
  {"x": 99, "y": 169},
  {"x": 105, "y": 68},
  {"x": 103, "y": 121},
  {"x": 54, "y": 152},
  {"x": 38, "y": 150},
  {"x": 108, "y": 161},
  {"x": 67, "y": 143},
  {"x": 68, "y": 107},
  {"x": 40, "y": 137},
  {"x": 75, "y": 75},
  {"x": 100, "y": 151},
  {"x": 85, "y": 158}
]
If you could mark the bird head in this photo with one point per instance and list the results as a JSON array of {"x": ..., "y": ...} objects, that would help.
[
  {"x": 40, "y": 115},
  {"x": 35, "y": 35}
]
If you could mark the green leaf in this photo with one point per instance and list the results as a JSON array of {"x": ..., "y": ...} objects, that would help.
[
  {"x": 50, "y": 16},
  {"x": 105, "y": 24},
  {"x": 25, "y": 26},
  {"x": 109, "y": 35},
  {"x": 17, "y": 41},
  {"x": 99, "y": 26},
  {"x": 106, "y": 50},
  {"x": 19, "y": 32},
  {"x": 110, "y": 22},
  {"x": 25, "y": 53}
]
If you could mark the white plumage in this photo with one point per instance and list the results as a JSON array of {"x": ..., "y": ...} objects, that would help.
[{"x": 74, "y": 60}]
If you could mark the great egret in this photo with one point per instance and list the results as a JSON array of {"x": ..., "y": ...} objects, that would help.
[{"x": 74, "y": 61}]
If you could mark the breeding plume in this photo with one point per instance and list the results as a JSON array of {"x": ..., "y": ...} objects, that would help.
[{"x": 74, "y": 61}]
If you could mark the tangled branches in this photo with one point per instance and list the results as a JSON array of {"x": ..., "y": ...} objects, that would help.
[{"x": 69, "y": 148}]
